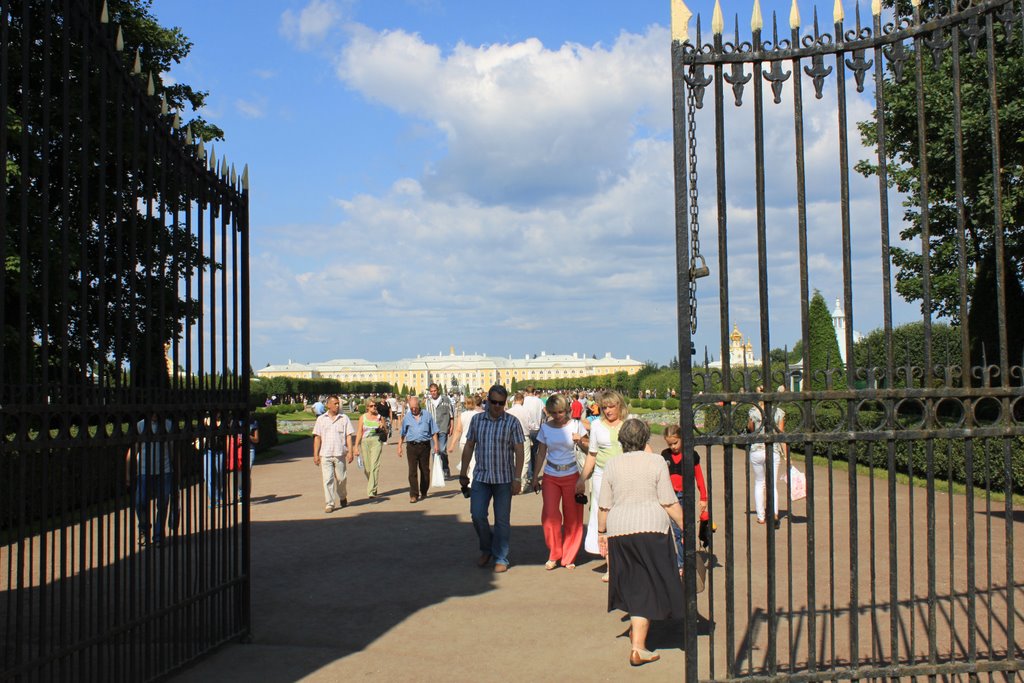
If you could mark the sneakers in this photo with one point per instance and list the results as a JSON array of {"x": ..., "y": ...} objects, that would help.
[
  {"x": 328, "y": 508},
  {"x": 143, "y": 540},
  {"x": 500, "y": 568}
]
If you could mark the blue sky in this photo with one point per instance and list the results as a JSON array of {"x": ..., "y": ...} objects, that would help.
[{"x": 493, "y": 176}]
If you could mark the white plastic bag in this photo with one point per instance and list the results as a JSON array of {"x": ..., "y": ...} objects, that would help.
[{"x": 437, "y": 474}]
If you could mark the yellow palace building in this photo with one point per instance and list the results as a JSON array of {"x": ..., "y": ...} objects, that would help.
[{"x": 452, "y": 370}]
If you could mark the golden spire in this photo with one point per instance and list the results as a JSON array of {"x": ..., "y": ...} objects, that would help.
[
  {"x": 756, "y": 22},
  {"x": 837, "y": 11},
  {"x": 794, "y": 16},
  {"x": 717, "y": 21}
]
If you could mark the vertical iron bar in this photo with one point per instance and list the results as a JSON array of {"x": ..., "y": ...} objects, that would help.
[
  {"x": 731, "y": 665},
  {"x": 681, "y": 169},
  {"x": 926, "y": 306},
  {"x": 806, "y": 406},
  {"x": 965, "y": 343},
  {"x": 1004, "y": 369}
]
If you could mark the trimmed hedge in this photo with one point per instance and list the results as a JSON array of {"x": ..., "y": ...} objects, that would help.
[
  {"x": 282, "y": 409},
  {"x": 948, "y": 455}
]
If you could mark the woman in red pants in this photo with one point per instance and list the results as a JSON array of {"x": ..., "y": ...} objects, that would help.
[{"x": 556, "y": 473}]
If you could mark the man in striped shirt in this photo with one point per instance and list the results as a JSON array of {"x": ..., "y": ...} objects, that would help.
[{"x": 497, "y": 440}]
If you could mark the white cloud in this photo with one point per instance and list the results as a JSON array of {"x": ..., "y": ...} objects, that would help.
[
  {"x": 550, "y": 219},
  {"x": 524, "y": 124},
  {"x": 251, "y": 109},
  {"x": 310, "y": 25}
]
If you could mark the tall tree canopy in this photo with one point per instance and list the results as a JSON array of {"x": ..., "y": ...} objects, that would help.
[
  {"x": 93, "y": 255},
  {"x": 904, "y": 164}
]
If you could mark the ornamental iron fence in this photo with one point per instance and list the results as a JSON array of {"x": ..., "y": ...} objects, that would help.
[
  {"x": 900, "y": 562},
  {"x": 124, "y": 519}
]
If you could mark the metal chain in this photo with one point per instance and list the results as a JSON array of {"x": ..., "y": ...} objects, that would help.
[{"x": 691, "y": 128}]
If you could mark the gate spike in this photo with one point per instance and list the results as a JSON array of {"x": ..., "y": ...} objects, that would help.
[
  {"x": 915, "y": 3},
  {"x": 104, "y": 14},
  {"x": 680, "y": 21},
  {"x": 119, "y": 41},
  {"x": 856, "y": 13},
  {"x": 245, "y": 178},
  {"x": 756, "y": 21},
  {"x": 213, "y": 157},
  {"x": 188, "y": 135},
  {"x": 150, "y": 88},
  {"x": 202, "y": 149},
  {"x": 234, "y": 176},
  {"x": 876, "y": 7},
  {"x": 837, "y": 11},
  {"x": 794, "y": 16},
  {"x": 176, "y": 122},
  {"x": 137, "y": 67},
  {"x": 717, "y": 21},
  {"x": 163, "y": 102}
]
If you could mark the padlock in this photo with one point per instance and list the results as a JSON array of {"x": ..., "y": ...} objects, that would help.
[{"x": 699, "y": 271}]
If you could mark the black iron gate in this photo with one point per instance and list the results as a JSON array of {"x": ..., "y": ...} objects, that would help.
[
  {"x": 901, "y": 559},
  {"x": 124, "y": 388}
]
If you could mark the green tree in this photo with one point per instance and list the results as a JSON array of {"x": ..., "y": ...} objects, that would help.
[
  {"x": 908, "y": 348},
  {"x": 84, "y": 231},
  {"x": 824, "y": 348},
  {"x": 900, "y": 114}
]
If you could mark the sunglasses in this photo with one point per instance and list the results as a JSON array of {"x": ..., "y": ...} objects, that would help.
[{"x": 495, "y": 403}]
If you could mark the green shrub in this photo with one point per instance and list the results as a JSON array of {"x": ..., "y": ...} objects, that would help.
[{"x": 671, "y": 404}]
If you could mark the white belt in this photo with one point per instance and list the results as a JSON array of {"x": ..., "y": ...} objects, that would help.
[{"x": 562, "y": 468}]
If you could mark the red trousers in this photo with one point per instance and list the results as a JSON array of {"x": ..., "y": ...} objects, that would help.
[{"x": 562, "y": 518}]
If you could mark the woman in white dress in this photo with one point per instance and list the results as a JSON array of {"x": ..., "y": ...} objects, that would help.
[{"x": 755, "y": 425}]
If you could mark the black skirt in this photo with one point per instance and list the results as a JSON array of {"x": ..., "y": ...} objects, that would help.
[{"x": 644, "y": 576}]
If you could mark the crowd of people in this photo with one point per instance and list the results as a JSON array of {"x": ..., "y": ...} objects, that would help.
[{"x": 563, "y": 447}]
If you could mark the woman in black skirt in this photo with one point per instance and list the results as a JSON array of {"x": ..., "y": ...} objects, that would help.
[{"x": 637, "y": 501}]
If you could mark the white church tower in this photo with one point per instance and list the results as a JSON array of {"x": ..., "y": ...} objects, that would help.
[{"x": 839, "y": 324}]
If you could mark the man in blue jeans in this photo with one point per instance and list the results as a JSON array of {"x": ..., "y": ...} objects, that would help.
[{"x": 496, "y": 438}]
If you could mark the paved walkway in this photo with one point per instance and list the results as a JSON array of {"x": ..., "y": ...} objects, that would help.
[{"x": 388, "y": 590}]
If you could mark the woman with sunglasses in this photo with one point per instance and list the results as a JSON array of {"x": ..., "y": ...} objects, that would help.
[
  {"x": 556, "y": 474},
  {"x": 369, "y": 443}
]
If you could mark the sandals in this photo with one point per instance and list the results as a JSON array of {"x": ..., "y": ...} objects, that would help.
[
  {"x": 550, "y": 564},
  {"x": 641, "y": 657},
  {"x": 604, "y": 577}
]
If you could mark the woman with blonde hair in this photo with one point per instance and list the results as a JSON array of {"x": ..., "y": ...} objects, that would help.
[
  {"x": 556, "y": 475},
  {"x": 604, "y": 445}
]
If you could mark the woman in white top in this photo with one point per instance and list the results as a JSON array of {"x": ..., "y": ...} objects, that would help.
[
  {"x": 604, "y": 445},
  {"x": 556, "y": 474},
  {"x": 461, "y": 430},
  {"x": 755, "y": 425}
]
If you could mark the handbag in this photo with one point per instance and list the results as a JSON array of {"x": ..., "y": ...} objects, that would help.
[
  {"x": 437, "y": 473},
  {"x": 797, "y": 483}
]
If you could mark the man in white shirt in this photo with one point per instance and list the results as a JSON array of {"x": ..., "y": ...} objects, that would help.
[
  {"x": 333, "y": 443},
  {"x": 518, "y": 411}
]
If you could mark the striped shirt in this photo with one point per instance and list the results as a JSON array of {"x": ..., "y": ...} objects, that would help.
[
  {"x": 494, "y": 450},
  {"x": 333, "y": 433}
]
